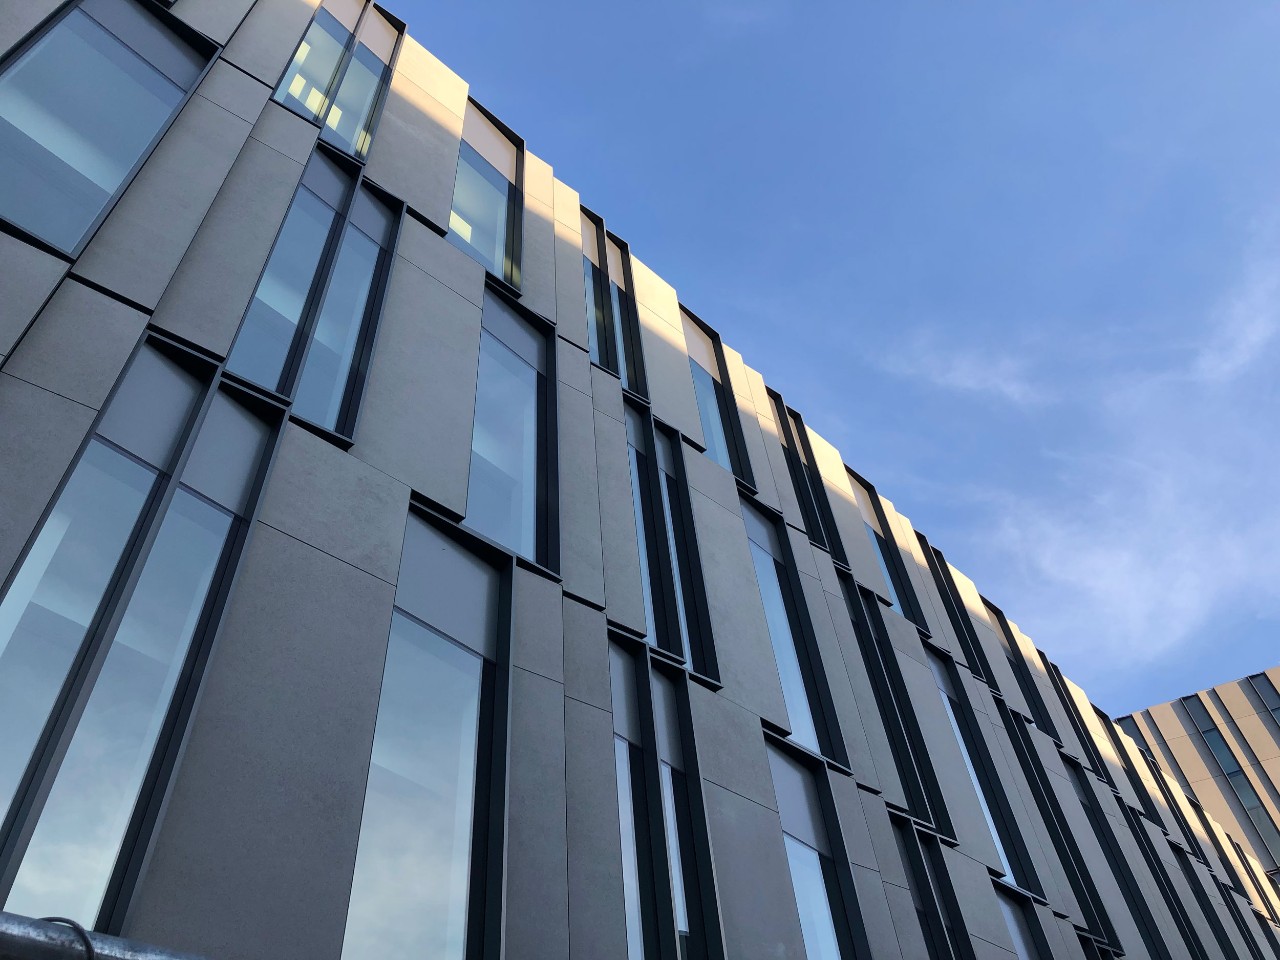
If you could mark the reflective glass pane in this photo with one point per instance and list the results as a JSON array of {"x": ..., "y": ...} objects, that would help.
[
  {"x": 630, "y": 860},
  {"x": 77, "y": 111},
  {"x": 502, "y": 493},
  {"x": 46, "y": 613},
  {"x": 327, "y": 369},
  {"x": 881, "y": 546},
  {"x": 816, "y": 920},
  {"x": 308, "y": 83},
  {"x": 409, "y": 893},
  {"x": 794, "y": 694},
  {"x": 642, "y": 538},
  {"x": 1015, "y": 919},
  {"x": 674, "y": 855},
  {"x": 479, "y": 215},
  {"x": 679, "y": 562},
  {"x": 598, "y": 327},
  {"x": 272, "y": 319},
  {"x": 350, "y": 118},
  {"x": 74, "y": 847},
  {"x": 704, "y": 388},
  {"x": 626, "y": 363}
]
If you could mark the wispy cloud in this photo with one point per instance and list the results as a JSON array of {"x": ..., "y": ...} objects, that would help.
[{"x": 927, "y": 356}]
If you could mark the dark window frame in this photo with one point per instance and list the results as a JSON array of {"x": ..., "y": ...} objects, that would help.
[
  {"x": 198, "y": 42},
  {"x": 340, "y": 74},
  {"x": 1022, "y": 673},
  {"x": 510, "y": 278},
  {"x": 943, "y": 927},
  {"x": 20, "y": 821},
  {"x": 285, "y": 389},
  {"x": 730, "y": 416},
  {"x": 624, "y": 324},
  {"x": 807, "y": 480}
]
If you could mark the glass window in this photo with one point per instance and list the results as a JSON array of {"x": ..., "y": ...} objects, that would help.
[
  {"x": 52, "y": 602},
  {"x": 1015, "y": 918},
  {"x": 637, "y": 459},
  {"x": 951, "y": 704},
  {"x": 60, "y": 613},
  {"x": 336, "y": 81},
  {"x": 91, "y": 801},
  {"x": 808, "y": 878},
  {"x": 506, "y": 460},
  {"x": 79, "y": 109},
  {"x": 412, "y": 876},
  {"x": 624, "y": 769},
  {"x": 704, "y": 364},
  {"x": 610, "y": 323},
  {"x": 481, "y": 204},
  {"x": 680, "y": 546},
  {"x": 771, "y": 578},
  {"x": 313, "y": 313}
]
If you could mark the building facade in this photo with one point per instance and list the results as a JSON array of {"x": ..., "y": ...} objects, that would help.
[
  {"x": 392, "y": 566},
  {"x": 1222, "y": 745}
]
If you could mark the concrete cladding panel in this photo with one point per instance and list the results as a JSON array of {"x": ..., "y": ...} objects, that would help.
[
  {"x": 143, "y": 239},
  {"x": 28, "y": 277},
  {"x": 264, "y": 811}
]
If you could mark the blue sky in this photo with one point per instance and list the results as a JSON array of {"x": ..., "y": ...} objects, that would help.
[{"x": 1020, "y": 262}]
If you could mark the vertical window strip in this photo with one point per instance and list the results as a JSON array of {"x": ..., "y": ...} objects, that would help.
[
  {"x": 115, "y": 705},
  {"x": 1022, "y": 672}
]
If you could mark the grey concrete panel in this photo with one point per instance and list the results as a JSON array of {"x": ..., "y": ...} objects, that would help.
[
  {"x": 731, "y": 748},
  {"x": 597, "y": 916},
  {"x": 573, "y": 366},
  {"x": 39, "y": 434},
  {"x": 888, "y": 860},
  {"x": 416, "y": 419},
  {"x": 581, "y": 553},
  {"x": 586, "y": 654},
  {"x": 883, "y": 772},
  {"x": 618, "y": 525},
  {"x": 19, "y": 19},
  {"x": 285, "y": 131},
  {"x": 757, "y": 904},
  {"x": 439, "y": 258},
  {"x": 738, "y": 626},
  {"x": 874, "y": 916},
  {"x": 264, "y": 811},
  {"x": 537, "y": 881},
  {"x": 858, "y": 548},
  {"x": 666, "y": 366},
  {"x": 143, "y": 239},
  {"x": 537, "y": 642},
  {"x": 976, "y": 896},
  {"x": 265, "y": 41},
  {"x": 757, "y": 458},
  {"x": 606, "y": 393},
  {"x": 538, "y": 257},
  {"x": 847, "y": 708},
  {"x": 336, "y": 503},
  {"x": 570, "y": 278},
  {"x": 948, "y": 764},
  {"x": 853, "y": 821},
  {"x": 414, "y": 153},
  {"x": 906, "y": 922},
  {"x": 708, "y": 477},
  {"x": 28, "y": 278},
  {"x": 213, "y": 285},
  {"x": 78, "y": 345},
  {"x": 216, "y": 19}
]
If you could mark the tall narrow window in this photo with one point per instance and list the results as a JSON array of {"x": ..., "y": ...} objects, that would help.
[
  {"x": 99, "y": 626},
  {"x": 611, "y": 331},
  {"x": 339, "y": 73},
  {"x": 80, "y": 108},
  {"x": 810, "y": 490},
  {"x": 660, "y": 863},
  {"x": 715, "y": 406},
  {"x": 507, "y": 480},
  {"x": 1015, "y": 918},
  {"x": 1239, "y": 781},
  {"x": 885, "y": 550},
  {"x": 931, "y": 895},
  {"x": 944, "y": 677},
  {"x": 823, "y": 913},
  {"x": 666, "y": 568},
  {"x": 485, "y": 217},
  {"x": 1267, "y": 693},
  {"x": 781, "y": 613},
  {"x": 310, "y": 323},
  {"x": 1021, "y": 671},
  {"x": 411, "y": 892}
]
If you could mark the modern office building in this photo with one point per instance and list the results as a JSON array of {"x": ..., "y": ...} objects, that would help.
[
  {"x": 393, "y": 566},
  {"x": 1223, "y": 746}
]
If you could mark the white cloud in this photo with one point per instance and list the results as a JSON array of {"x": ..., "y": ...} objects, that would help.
[{"x": 926, "y": 356}]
